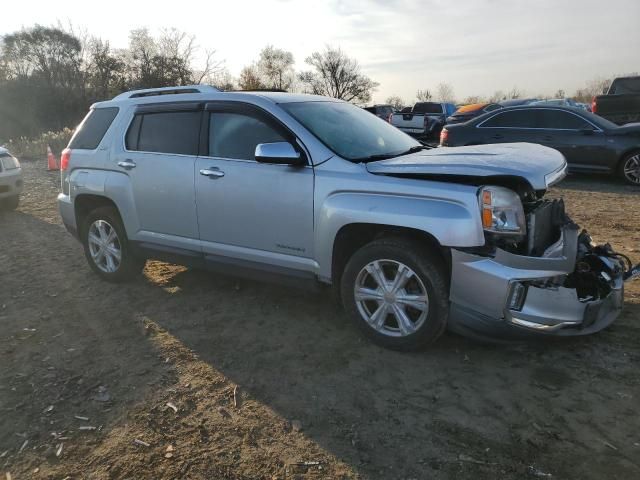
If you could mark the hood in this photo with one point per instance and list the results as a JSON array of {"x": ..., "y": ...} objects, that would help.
[{"x": 539, "y": 166}]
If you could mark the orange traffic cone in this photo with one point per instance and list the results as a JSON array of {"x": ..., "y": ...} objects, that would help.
[{"x": 51, "y": 160}]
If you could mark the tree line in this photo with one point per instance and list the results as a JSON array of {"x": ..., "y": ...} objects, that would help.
[{"x": 49, "y": 76}]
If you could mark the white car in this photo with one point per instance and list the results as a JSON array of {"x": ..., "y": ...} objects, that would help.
[{"x": 10, "y": 180}]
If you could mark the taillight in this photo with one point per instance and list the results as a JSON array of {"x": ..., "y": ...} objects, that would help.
[
  {"x": 593, "y": 105},
  {"x": 64, "y": 158},
  {"x": 444, "y": 136}
]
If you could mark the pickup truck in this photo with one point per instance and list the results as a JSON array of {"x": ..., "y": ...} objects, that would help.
[
  {"x": 425, "y": 120},
  {"x": 316, "y": 191},
  {"x": 621, "y": 103}
]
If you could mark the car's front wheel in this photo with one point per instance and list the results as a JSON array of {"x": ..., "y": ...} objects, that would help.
[
  {"x": 396, "y": 292},
  {"x": 630, "y": 169},
  {"x": 106, "y": 246}
]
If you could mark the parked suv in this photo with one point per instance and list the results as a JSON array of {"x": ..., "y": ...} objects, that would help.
[
  {"x": 313, "y": 189},
  {"x": 10, "y": 180}
]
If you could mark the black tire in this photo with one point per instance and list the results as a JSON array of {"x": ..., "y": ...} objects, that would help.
[
  {"x": 130, "y": 266},
  {"x": 430, "y": 269},
  {"x": 11, "y": 203},
  {"x": 631, "y": 157}
]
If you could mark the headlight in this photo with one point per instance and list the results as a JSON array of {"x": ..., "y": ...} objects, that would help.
[{"x": 502, "y": 211}]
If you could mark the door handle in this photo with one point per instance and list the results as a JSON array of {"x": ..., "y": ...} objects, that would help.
[
  {"x": 212, "y": 172},
  {"x": 127, "y": 164},
  {"x": 498, "y": 137}
]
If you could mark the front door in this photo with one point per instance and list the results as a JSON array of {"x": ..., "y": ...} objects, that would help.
[
  {"x": 258, "y": 214},
  {"x": 583, "y": 145}
]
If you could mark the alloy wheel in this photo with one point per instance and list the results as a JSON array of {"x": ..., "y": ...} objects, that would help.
[
  {"x": 631, "y": 169},
  {"x": 391, "y": 298},
  {"x": 104, "y": 246}
]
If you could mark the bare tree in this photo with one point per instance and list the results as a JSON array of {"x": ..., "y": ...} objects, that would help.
[
  {"x": 473, "y": 99},
  {"x": 276, "y": 66},
  {"x": 498, "y": 96},
  {"x": 396, "y": 102},
  {"x": 559, "y": 94},
  {"x": 337, "y": 75},
  {"x": 444, "y": 93},
  {"x": 514, "y": 93},
  {"x": 594, "y": 87},
  {"x": 250, "y": 78},
  {"x": 424, "y": 95}
]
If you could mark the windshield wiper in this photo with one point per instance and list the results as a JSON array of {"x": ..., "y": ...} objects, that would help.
[
  {"x": 386, "y": 156},
  {"x": 414, "y": 149}
]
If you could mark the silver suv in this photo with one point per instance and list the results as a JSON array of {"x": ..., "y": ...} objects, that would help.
[{"x": 309, "y": 188}]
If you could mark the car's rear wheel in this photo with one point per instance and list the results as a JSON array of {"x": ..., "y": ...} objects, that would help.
[
  {"x": 11, "y": 203},
  {"x": 106, "y": 246},
  {"x": 396, "y": 292},
  {"x": 630, "y": 169}
]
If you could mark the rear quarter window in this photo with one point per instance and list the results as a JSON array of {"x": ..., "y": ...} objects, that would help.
[{"x": 93, "y": 127}]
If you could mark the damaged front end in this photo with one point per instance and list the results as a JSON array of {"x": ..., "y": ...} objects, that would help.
[{"x": 545, "y": 277}]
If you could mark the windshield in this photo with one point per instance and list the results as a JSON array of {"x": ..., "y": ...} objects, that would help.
[{"x": 350, "y": 131}]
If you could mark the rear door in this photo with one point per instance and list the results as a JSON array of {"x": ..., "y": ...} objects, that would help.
[
  {"x": 159, "y": 156},
  {"x": 254, "y": 215},
  {"x": 583, "y": 144},
  {"x": 508, "y": 127}
]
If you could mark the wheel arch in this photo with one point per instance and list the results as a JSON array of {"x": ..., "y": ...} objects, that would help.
[
  {"x": 354, "y": 218},
  {"x": 85, "y": 203},
  {"x": 351, "y": 237}
]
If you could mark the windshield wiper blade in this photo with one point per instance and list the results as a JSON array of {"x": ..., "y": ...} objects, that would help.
[
  {"x": 415, "y": 149},
  {"x": 386, "y": 156}
]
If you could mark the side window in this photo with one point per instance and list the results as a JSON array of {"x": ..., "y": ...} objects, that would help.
[
  {"x": 165, "y": 132},
  {"x": 93, "y": 128},
  {"x": 235, "y": 135},
  {"x": 558, "y": 119},
  {"x": 515, "y": 119},
  {"x": 491, "y": 108}
]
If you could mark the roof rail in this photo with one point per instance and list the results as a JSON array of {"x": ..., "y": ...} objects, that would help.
[{"x": 152, "y": 92}]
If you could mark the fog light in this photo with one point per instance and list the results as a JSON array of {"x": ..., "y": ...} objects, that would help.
[{"x": 516, "y": 296}]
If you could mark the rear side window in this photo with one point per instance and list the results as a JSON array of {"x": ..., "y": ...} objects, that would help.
[
  {"x": 93, "y": 127},
  {"x": 235, "y": 135},
  {"x": 165, "y": 132},
  {"x": 625, "y": 85},
  {"x": 558, "y": 119},
  {"x": 515, "y": 119}
]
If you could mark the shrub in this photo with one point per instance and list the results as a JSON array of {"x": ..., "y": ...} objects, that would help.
[{"x": 36, "y": 148}]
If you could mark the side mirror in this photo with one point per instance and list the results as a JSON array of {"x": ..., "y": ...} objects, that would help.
[{"x": 280, "y": 153}]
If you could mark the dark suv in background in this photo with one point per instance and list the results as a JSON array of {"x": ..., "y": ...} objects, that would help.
[{"x": 588, "y": 142}]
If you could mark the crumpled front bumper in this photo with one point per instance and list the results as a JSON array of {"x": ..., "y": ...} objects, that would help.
[{"x": 481, "y": 289}]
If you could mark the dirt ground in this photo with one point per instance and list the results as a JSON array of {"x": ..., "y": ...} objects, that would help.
[{"x": 138, "y": 381}]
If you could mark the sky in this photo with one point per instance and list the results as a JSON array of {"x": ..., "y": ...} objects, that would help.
[{"x": 476, "y": 46}]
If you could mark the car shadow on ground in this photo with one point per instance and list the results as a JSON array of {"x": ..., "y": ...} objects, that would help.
[{"x": 390, "y": 414}]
